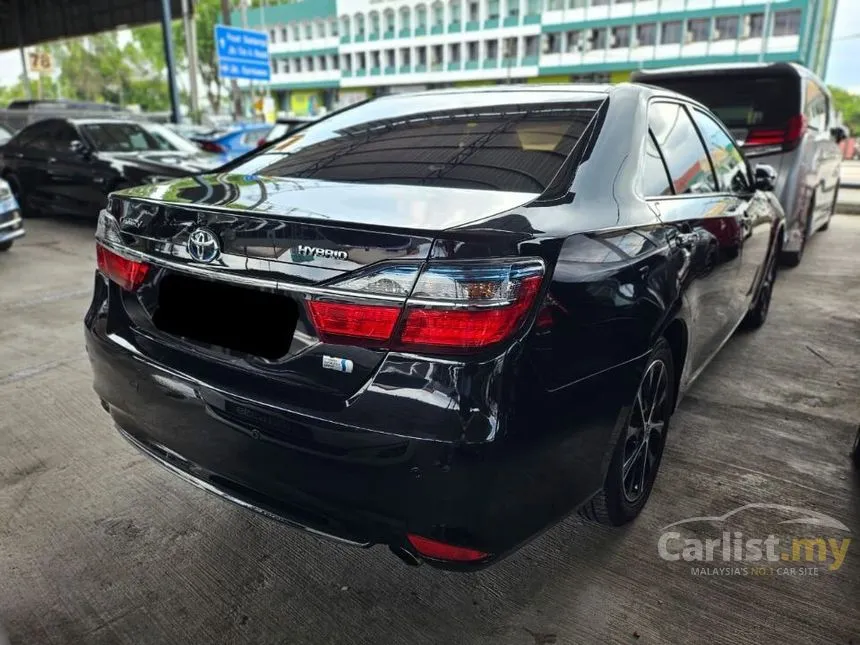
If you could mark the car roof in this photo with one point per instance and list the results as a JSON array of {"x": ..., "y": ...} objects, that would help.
[
  {"x": 535, "y": 89},
  {"x": 96, "y": 121}
]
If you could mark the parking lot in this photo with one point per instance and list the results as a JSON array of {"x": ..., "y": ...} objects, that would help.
[{"x": 100, "y": 545}]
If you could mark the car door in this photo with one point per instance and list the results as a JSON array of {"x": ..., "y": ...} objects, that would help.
[
  {"x": 824, "y": 161},
  {"x": 755, "y": 209},
  {"x": 28, "y": 156},
  {"x": 78, "y": 186},
  {"x": 706, "y": 224}
]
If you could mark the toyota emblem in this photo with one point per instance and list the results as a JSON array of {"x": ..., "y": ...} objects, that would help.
[{"x": 203, "y": 245}]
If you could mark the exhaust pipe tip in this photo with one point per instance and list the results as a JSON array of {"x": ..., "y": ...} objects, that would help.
[{"x": 407, "y": 556}]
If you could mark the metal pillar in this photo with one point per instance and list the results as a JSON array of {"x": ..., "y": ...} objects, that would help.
[
  {"x": 234, "y": 86},
  {"x": 169, "y": 59},
  {"x": 25, "y": 78},
  {"x": 191, "y": 47}
]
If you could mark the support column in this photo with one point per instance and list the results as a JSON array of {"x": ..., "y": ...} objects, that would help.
[{"x": 170, "y": 61}]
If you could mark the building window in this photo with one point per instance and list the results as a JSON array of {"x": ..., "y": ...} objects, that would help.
[
  {"x": 389, "y": 21},
  {"x": 374, "y": 22},
  {"x": 405, "y": 18},
  {"x": 323, "y": 63},
  {"x": 297, "y": 63},
  {"x": 599, "y": 3},
  {"x": 554, "y": 5},
  {"x": 320, "y": 29},
  {"x": 552, "y": 43},
  {"x": 756, "y": 25},
  {"x": 454, "y": 53},
  {"x": 345, "y": 26},
  {"x": 437, "y": 52},
  {"x": 438, "y": 15},
  {"x": 533, "y": 7},
  {"x": 786, "y": 23},
  {"x": 726, "y": 28},
  {"x": 374, "y": 60},
  {"x": 346, "y": 62},
  {"x": 473, "y": 51},
  {"x": 333, "y": 27},
  {"x": 572, "y": 42},
  {"x": 456, "y": 11},
  {"x": 597, "y": 38},
  {"x": 474, "y": 11},
  {"x": 310, "y": 63},
  {"x": 577, "y": 4},
  {"x": 335, "y": 62},
  {"x": 361, "y": 61},
  {"x": 646, "y": 35},
  {"x": 531, "y": 47},
  {"x": 510, "y": 48},
  {"x": 421, "y": 17},
  {"x": 492, "y": 48},
  {"x": 296, "y": 35},
  {"x": 620, "y": 37},
  {"x": 671, "y": 33},
  {"x": 513, "y": 8},
  {"x": 273, "y": 36},
  {"x": 309, "y": 31},
  {"x": 421, "y": 53},
  {"x": 698, "y": 30},
  {"x": 284, "y": 34},
  {"x": 406, "y": 57},
  {"x": 492, "y": 9}
]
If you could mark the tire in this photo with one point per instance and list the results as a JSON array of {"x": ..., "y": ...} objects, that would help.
[
  {"x": 832, "y": 209},
  {"x": 756, "y": 316},
  {"x": 855, "y": 454},
  {"x": 5, "y": 246},
  {"x": 634, "y": 466},
  {"x": 792, "y": 259},
  {"x": 25, "y": 210}
]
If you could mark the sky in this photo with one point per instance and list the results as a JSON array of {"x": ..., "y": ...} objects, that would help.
[{"x": 842, "y": 69}]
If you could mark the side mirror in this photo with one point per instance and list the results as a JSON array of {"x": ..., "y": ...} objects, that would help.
[
  {"x": 765, "y": 177},
  {"x": 839, "y": 133},
  {"x": 79, "y": 148}
]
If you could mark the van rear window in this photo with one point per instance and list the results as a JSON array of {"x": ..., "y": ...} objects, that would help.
[
  {"x": 741, "y": 101},
  {"x": 508, "y": 147}
]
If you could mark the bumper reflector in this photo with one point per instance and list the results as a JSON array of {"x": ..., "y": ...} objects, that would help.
[{"x": 441, "y": 551}]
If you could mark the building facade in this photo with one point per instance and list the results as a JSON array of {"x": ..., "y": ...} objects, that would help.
[{"x": 328, "y": 53}]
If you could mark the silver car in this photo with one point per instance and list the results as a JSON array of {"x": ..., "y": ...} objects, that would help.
[{"x": 781, "y": 114}]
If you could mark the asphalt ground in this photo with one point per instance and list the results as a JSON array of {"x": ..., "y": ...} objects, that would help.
[{"x": 99, "y": 545}]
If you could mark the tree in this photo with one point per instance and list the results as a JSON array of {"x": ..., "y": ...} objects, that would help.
[{"x": 848, "y": 105}]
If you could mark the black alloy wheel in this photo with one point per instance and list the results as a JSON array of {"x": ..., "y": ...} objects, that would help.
[
  {"x": 756, "y": 316},
  {"x": 639, "y": 449}
]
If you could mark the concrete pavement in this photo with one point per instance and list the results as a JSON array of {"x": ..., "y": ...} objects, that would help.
[{"x": 100, "y": 546}]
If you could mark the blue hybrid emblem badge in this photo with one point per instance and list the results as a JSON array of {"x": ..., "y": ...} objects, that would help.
[{"x": 203, "y": 245}]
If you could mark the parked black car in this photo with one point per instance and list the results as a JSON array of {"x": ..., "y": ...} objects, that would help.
[
  {"x": 439, "y": 322},
  {"x": 69, "y": 166}
]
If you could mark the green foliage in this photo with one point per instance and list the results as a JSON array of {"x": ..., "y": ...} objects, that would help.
[{"x": 848, "y": 105}]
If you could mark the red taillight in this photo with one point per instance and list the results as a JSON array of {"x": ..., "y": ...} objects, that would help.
[
  {"x": 261, "y": 142},
  {"x": 334, "y": 320},
  {"x": 468, "y": 329},
  {"x": 786, "y": 138},
  {"x": 445, "y": 307},
  {"x": 211, "y": 146},
  {"x": 441, "y": 551},
  {"x": 128, "y": 274}
]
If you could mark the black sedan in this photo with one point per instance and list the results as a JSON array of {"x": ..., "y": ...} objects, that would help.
[
  {"x": 69, "y": 166},
  {"x": 437, "y": 322}
]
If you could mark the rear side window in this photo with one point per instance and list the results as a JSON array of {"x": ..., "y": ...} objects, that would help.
[
  {"x": 753, "y": 101},
  {"x": 815, "y": 107},
  {"x": 686, "y": 159},
  {"x": 516, "y": 147},
  {"x": 728, "y": 162},
  {"x": 655, "y": 179}
]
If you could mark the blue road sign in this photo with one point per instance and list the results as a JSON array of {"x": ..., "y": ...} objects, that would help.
[{"x": 242, "y": 53}]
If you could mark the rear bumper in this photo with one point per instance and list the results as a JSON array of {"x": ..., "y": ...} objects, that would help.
[
  {"x": 12, "y": 230},
  {"x": 327, "y": 475}
]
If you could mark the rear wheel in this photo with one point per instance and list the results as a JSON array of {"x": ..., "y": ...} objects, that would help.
[
  {"x": 758, "y": 314},
  {"x": 26, "y": 211},
  {"x": 792, "y": 258},
  {"x": 5, "y": 246},
  {"x": 636, "y": 457}
]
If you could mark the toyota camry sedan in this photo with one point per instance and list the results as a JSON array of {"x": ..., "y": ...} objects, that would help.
[{"x": 439, "y": 322}]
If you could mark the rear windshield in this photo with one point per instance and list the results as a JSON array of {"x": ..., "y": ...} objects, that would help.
[
  {"x": 508, "y": 147},
  {"x": 742, "y": 101}
]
